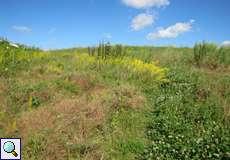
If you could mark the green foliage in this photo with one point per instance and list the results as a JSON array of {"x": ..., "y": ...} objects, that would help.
[
  {"x": 118, "y": 50},
  {"x": 183, "y": 126},
  {"x": 13, "y": 55},
  {"x": 210, "y": 54},
  {"x": 224, "y": 55},
  {"x": 64, "y": 83},
  {"x": 106, "y": 50},
  {"x": 126, "y": 134},
  {"x": 34, "y": 102},
  {"x": 35, "y": 147},
  {"x": 130, "y": 146}
]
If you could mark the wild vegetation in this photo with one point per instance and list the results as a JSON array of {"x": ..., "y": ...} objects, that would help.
[
  {"x": 210, "y": 54},
  {"x": 116, "y": 102}
]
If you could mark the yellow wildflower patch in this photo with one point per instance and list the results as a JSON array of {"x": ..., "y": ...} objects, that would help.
[
  {"x": 133, "y": 65},
  {"x": 54, "y": 67}
]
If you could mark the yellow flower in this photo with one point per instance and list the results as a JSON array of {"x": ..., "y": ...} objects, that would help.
[{"x": 133, "y": 65}]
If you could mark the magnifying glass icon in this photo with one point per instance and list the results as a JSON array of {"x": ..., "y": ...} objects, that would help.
[{"x": 9, "y": 147}]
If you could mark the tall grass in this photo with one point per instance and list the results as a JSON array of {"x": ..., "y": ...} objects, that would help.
[
  {"x": 106, "y": 50},
  {"x": 211, "y": 55}
]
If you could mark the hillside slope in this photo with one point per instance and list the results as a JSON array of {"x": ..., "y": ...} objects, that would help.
[{"x": 154, "y": 103}]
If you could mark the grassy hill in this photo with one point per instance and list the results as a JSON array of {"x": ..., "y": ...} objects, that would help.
[{"x": 116, "y": 102}]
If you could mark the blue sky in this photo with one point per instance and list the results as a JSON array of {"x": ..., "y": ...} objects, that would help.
[{"x": 68, "y": 23}]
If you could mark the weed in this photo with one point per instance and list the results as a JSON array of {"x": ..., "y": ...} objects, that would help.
[{"x": 210, "y": 54}]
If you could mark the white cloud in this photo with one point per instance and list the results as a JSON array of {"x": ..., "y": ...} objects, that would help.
[
  {"x": 226, "y": 43},
  {"x": 171, "y": 31},
  {"x": 23, "y": 29},
  {"x": 141, "y": 21},
  {"x": 107, "y": 36},
  {"x": 146, "y": 3}
]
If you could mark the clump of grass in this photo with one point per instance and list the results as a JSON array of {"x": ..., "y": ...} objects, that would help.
[
  {"x": 55, "y": 67},
  {"x": 106, "y": 50},
  {"x": 130, "y": 146},
  {"x": 210, "y": 54},
  {"x": 224, "y": 55},
  {"x": 66, "y": 84},
  {"x": 35, "y": 147},
  {"x": 34, "y": 102}
]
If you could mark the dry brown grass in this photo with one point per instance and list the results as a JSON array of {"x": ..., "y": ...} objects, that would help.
[
  {"x": 127, "y": 96},
  {"x": 34, "y": 121},
  {"x": 213, "y": 73},
  {"x": 2, "y": 100},
  {"x": 227, "y": 111},
  {"x": 3, "y": 88},
  {"x": 77, "y": 119},
  {"x": 84, "y": 81},
  {"x": 74, "y": 118}
]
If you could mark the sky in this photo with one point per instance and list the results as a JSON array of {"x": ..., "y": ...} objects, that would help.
[{"x": 52, "y": 24}]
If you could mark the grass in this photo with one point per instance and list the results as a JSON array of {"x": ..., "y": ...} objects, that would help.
[
  {"x": 211, "y": 55},
  {"x": 143, "y": 103}
]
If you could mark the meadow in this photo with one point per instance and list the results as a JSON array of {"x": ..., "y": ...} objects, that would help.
[{"x": 115, "y": 102}]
